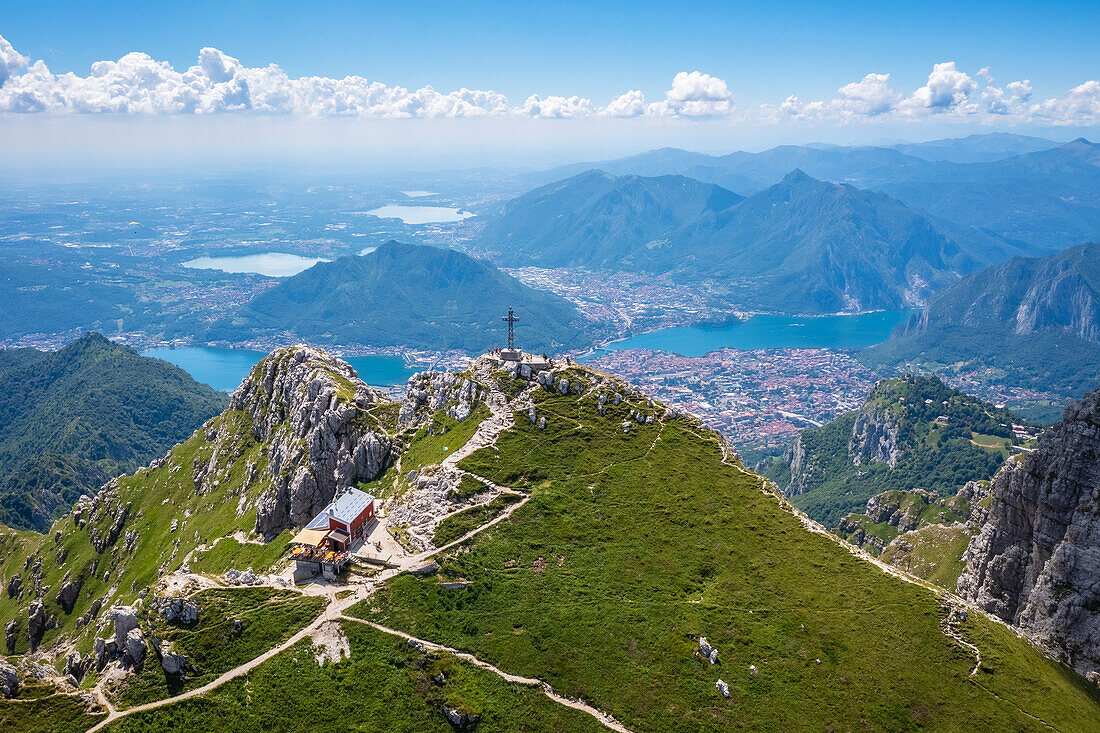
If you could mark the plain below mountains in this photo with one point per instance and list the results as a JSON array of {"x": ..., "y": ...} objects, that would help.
[
  {"x": 802, "y": 245},
  {"x": 73, "y": 418},
  {"x": 1033, "y": 321},
  {"x": 412, "y": 296}
]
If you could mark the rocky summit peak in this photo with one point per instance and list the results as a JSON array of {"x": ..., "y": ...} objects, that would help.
[{"x": 309, "y": 407}]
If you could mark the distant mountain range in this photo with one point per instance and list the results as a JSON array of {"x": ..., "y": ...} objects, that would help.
[
  {"x": 1038, "y": 193},
  {"x": 408, "y": 295},
  {"x": 1036, "y": 320},
  {"x": 71, "y": 419},
  {"x": 802, "y": 245}
]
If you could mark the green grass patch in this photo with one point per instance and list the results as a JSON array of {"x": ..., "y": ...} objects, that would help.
[
  {"x": 56, "y": 713},
  {"x": 229, "y": 554},
  {"x": 383, "y": 685},
  {"x": 235, "y": 625},
  {"x": 934, "y": 553},
  {"x": 467, "y": 520},
  {"x": 441, "y": 436}
]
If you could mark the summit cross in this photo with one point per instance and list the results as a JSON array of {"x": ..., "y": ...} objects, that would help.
[{"x": 510, "y": 319}]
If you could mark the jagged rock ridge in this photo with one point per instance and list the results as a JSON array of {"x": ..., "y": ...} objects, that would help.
[
  {"x": 1036, "y": 561},
  {"x": 306, "y": 406}
]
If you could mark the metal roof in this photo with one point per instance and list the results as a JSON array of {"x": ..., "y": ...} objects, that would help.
[{"x": 345, "y": 508}]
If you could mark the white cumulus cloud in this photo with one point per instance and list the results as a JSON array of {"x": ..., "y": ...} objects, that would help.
[
  {"x": 630, "y": 104},
  {"x": 557, "y": 107},
  {"x": 695, "y": 94},
  {"x": 10, "y": 60},
  {"x": 947, "y": 89},
  {"x": 220, "y": 84}
]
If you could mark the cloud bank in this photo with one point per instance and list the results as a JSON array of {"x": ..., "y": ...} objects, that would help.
[{"x": 218, "y": 84}]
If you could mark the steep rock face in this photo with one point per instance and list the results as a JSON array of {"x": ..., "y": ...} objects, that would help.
[
  {"x": 1036, "y": 561},
  {"x": 874, "y": 438},
  {"x": 307, "y": 406},
  {"x": 796, "y": 457}
]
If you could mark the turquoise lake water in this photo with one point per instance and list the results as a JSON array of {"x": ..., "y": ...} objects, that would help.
[
  {"x": 224, "y": 369},
  {"x": 770, "y": 332}
]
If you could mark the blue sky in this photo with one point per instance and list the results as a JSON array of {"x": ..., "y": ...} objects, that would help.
[{"x": 709, "y": 76}]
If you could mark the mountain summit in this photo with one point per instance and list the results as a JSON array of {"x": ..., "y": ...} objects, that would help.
[
  {"x": 530, "y": 512},
  {"x": 408, "y": 295}
]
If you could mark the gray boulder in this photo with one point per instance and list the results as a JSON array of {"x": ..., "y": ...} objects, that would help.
[
  {"x": 68, "y": 593},
  {"x": 134, "y": 650},
  {"x": 75, "y": 666},
  {"x": 36, "y": 624},
  {"x": 173, "y": 663},
  {"x": 11, "y": 633},
  {"x": 9, "y": 680}
]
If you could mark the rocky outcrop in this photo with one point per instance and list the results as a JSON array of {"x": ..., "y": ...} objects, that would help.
[
  {"x": 15, "y": 586},
  {"x": 11, "y": 634},
  {"x": 9, "y": 680},
  {"x": 308, "y": 407},
  {"x": 75, "y": 666},
  {"x": 874, "y": 438},
  {"x": 36, "y": 623},
  {"x": 69, "y": 592},
  {"x": 177, "y": 610},
  {"x": 1036, "y": 561},
  {"x": 430, "y": 391}
]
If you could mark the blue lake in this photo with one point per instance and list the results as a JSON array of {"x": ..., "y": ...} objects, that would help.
[
  {"x": 225, "y": 369},
  {"x": 770, "y": 332}
]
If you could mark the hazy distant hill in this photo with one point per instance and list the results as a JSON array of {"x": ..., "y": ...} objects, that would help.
[
  {"x": 981, "y": 148},
  {"x": 409, "y": 295},
  {"x": 71, "y": 419},
  {"x": 802, "y": 245},
  {"x": 595, "y": 219},
  {"x": 1046, "y": 200},
  {"x": 1037, "y": 320}
]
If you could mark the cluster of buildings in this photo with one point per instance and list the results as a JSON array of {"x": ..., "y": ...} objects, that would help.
[{"x": 759, "y": 398}]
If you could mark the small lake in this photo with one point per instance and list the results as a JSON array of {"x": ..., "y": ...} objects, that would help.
[
  {"x": 272, "y": 264},
  {"x": 421, "y": 214},
  {"x": 225, "y": 369},
  {"x": 418, "y": 194},
  {"x": 770, "y": 332}
]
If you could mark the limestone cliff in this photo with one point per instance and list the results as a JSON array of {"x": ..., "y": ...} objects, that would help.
[
  {"x": 1036, "y": 561},
  {"x": 308, "y": 408},
  {"x": 875, "y": 437}
]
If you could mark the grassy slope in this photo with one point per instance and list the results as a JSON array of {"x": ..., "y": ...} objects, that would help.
[
  {"x": 229, "y": 553},
  {"x": 467, "y": 520},
  {"x": 935, "y": 555},
  {"x": 214, "y": 645},
  {"x": 440, "y": 437},
  {"x": 382, "y": 686},
  {"x": 642, "y": 547},
  {"x": 65, "y": 713},
  {"x": 156, "y": 497}
]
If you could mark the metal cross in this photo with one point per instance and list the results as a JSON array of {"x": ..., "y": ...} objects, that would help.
[{"x": 510, "y": 318}]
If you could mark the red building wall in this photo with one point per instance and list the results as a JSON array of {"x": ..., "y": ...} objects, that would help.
[{"x": 364, "y": 516}]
